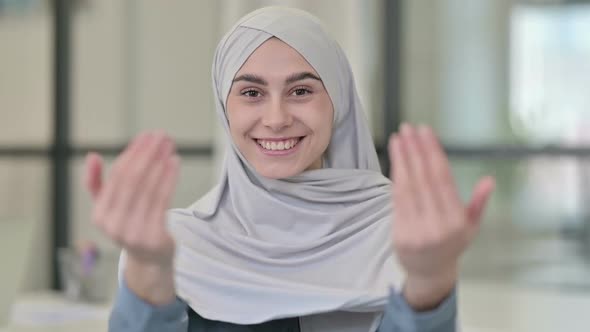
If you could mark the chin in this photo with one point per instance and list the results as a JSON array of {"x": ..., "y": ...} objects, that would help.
[{"x": 276, "y": 174}]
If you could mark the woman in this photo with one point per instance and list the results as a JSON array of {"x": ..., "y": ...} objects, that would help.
[{"x": 297, "y": 235}]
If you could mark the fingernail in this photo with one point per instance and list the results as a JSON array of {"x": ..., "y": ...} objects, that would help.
[
  {"x": 167, "y": 146},
  {"x": 159, "y": 134},
  {"x": 164, "y": 135},
  {"x": 405, "y": 128},
  {"x": 149, "y": 136},
  {"x": 392, "y": 139},
  {"x": 423, "y": 130}
]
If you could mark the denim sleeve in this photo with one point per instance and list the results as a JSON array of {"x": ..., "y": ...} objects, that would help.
[
  {"x": 400, "y": 317},
  {"x": 132, "y": 314}
]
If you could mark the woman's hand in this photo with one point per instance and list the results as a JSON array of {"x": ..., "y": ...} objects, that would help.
[
  {"x": 432, "y": 227},
  {"x": 130, "y": 208}
]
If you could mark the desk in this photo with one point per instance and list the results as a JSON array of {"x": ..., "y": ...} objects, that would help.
[
  {"x": 51, "y": 312},
  {"x": 506, "y": 307}
]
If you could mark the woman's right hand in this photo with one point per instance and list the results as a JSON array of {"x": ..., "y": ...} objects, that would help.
[{"x": 130, "y": 208}]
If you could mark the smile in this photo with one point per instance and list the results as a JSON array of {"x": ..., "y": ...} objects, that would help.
[{"x": 278, "y": 146}]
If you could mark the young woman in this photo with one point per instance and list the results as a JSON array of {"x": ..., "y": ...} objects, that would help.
[{"x": 302, "y": 232}]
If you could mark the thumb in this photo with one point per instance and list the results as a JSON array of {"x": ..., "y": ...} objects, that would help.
[
  {"x": 93, "y": 174},
  {"x": 479, "y": 199}
]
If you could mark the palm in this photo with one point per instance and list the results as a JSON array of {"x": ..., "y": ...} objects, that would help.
[
  {"x": 130, "y": 207},
  {"x": 432, "y": 226}
]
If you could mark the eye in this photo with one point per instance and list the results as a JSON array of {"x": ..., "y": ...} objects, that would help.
[
  {"x": 251, "y": 93},
  {"x": 301, "y": 92}
]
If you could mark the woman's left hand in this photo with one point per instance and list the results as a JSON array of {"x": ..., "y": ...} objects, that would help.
[{"x": 432, "y": 227}]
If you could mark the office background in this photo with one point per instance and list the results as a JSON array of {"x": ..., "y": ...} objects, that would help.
[{"x": 504, "y": 83}]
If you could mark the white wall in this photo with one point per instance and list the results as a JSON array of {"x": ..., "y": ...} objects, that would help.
[
  {"x": 455, "y": 67},
  {"x": 25, "y": 111}
]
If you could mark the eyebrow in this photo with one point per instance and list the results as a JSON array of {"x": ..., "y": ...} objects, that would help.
[
  {"x": 301, "y": 76},
  {"x": 291, "y": 79},
  {"x": 251, "y": 78}
]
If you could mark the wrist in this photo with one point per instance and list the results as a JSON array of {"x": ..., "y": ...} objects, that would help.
[
  {"x": 425, "y": 293},
  {"x": 153, "y": 283}
]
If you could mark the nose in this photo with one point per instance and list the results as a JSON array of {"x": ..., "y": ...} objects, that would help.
[{"x": 276, "y": 117}]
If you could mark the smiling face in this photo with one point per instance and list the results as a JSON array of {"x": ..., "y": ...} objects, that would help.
[{"x": 280, "y": 114}]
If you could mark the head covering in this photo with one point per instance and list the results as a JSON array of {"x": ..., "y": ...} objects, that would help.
[{"x": 255, "y": 249}]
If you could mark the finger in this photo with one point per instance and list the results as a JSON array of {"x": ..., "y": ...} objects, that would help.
[
  {"x": 93, "y": 174},
  {"x": 146, "y": 199},
  {"x": 107, "y": 198},
  {"x": 440, "y": 174},
  {"x": 418, "y": 177},
  {"x": 131, "y": 150},
  {"x": 402, "y": 203},
  {"x": 102, "y": 207},
  {"x": 163, "y": 198},
  {"x": 129, "y": 180},
  {"x": 481, "y": 194},
  {"x": 130, "y": 217},
  {"x": 405, "y": 215}
]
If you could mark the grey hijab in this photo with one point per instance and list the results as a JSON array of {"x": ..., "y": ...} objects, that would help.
[{"x": 255, "y": 249}]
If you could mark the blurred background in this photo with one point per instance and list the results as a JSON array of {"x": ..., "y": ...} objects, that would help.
[{"x": 505, "y": 83}]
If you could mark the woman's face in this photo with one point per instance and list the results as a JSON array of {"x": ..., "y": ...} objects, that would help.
[{"x": 280, "y": 115}]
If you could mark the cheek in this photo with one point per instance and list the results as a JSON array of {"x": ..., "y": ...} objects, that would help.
[
  {"x": 236, "y": 130},
  {"x": 234, "y": 125},
  {"x": 324, "y": 119},
  {"x": 239, "y": 122}
]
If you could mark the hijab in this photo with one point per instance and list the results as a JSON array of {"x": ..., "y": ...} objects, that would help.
[{"x": 255, "y": 249}]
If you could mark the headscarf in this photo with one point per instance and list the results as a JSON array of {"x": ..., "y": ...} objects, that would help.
[{"x": 255, "y": 249}]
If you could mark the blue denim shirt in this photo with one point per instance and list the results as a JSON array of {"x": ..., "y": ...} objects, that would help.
[{"x": 132, "y": 314}]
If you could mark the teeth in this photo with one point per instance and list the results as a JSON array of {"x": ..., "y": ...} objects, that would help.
[{"x": 278, "y": 146}]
